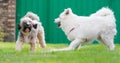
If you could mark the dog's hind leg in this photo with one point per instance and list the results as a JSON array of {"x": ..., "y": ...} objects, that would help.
[
  {"x": 41, "y": 39},
  {"x": 108, "y": 40}
]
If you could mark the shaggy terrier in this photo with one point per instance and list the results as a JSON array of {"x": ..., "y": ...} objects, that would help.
[{"x": 30, "y": 30}]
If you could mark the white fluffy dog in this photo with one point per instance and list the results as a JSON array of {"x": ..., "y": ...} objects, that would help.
[{"x": 83, "y": 29}]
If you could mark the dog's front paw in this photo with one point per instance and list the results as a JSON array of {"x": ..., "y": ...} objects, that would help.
[{"x": 18, "y": 48}]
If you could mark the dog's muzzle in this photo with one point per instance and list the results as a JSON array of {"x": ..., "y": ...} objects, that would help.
[
  {"x": 59, "y": 24},
  {"x": 57, "y": 20},
  {"x": 27, "y": 28}
]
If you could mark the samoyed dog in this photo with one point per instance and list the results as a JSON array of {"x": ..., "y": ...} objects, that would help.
[{"x": 98, "y": 26}]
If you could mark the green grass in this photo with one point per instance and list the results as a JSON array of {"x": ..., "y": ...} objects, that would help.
[{"x": 93, "y": 53}]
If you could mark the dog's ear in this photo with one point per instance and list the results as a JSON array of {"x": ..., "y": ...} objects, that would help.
[
  {"x": 19, "y": 27},
  {"x": 68, "y": 11},
  {"x": 35, "y": 26}
]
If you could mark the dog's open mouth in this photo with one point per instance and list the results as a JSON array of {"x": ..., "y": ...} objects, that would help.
[
  {"x": 59, "y": 24},
  {"x": 27, "y": 29}
]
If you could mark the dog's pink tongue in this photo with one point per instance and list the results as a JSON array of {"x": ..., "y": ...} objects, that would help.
[
  {"x": 59, "y": 24},
  {"x": 27, "y": 30}
]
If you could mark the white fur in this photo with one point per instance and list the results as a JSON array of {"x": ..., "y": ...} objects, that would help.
[
  {"x": 103, "y": 12},
  {"x": 32, "y": 16},
  {"x": 98, "y": 26}
]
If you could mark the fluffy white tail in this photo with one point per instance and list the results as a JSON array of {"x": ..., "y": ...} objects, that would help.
[{"x": 103, "y": 12}]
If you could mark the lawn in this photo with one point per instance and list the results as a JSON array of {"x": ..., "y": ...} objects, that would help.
[{"x": 93, "y": 53}]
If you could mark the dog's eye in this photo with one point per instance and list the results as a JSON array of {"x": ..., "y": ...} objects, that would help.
[
  {"x": 25, "y": 24},
  {"x": 35, "y": 26}
]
